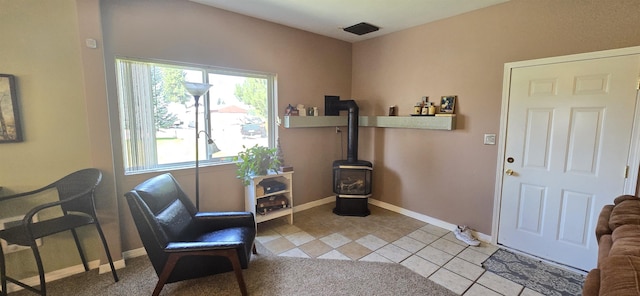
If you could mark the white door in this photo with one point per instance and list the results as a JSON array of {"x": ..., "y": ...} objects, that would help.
[{"x": 566, "y": 149}]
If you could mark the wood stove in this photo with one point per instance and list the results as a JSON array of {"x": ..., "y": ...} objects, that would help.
[
  {"x": 352, "y": 186},
  {"x": 352, "y": 178}
]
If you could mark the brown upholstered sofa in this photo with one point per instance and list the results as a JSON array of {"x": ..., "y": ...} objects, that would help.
[{"x": 618, "y": 235}]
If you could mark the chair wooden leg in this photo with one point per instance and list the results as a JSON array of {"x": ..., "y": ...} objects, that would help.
[
  {"x": 235, "y": 262},
  {"x": 172, "y": 260},
  {"x": 166, "y": 272}
]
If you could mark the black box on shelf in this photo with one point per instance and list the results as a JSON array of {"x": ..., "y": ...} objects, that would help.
[{"x": 271, "y": 186}]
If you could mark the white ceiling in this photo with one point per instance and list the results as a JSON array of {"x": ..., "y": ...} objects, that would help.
[{"x": 328, "y": 17}]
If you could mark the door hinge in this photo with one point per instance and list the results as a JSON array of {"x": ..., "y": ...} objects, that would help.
[{"x": 626, "y": 172}]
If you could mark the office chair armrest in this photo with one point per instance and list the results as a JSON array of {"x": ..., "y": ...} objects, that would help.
[
  {"x": 180, "y": 247},
  {"x": 219, "y": 220}
]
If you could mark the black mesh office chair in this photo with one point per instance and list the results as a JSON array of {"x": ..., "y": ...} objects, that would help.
[
  {"x": 183, "y": 243},
  {"x": 76, "y": 202}
]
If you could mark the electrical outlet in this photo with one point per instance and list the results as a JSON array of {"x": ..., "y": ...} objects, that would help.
[{"x": 489, "y": 139}]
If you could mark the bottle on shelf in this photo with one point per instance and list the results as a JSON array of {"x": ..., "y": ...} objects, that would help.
[{"x": 417, "y": 109}]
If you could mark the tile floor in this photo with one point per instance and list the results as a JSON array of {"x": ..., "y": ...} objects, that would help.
[{"x": 386, "y": 236}]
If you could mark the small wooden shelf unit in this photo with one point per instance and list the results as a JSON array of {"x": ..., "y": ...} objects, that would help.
[{"x": 252, "y": 195}]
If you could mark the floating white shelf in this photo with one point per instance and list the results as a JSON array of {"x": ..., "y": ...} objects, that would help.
[
  {"x": 315, "y": 121},
  {"x": 417, "y": 122}
]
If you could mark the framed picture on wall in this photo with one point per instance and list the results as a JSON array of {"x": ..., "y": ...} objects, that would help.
[
  {"x": 448, "y": 104},
  {"x": 9, "y": 114}
]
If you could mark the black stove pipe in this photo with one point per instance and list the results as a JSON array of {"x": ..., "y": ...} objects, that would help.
[{"x": 352, "y": 136}]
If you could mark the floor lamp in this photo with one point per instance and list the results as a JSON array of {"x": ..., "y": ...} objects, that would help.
[{"x": 197, "y": 90}]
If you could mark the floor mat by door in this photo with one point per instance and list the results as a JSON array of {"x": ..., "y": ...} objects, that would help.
[{"x": 534, "y": 274}]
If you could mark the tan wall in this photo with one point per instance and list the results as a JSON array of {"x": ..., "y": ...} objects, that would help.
[
  {"x": 450, "y": 175},
  {"x": 89, "y": 27},
  {"x": 49, "y": 80},
  {"x": 308, "y": 66},
  {"x": 40, "y": 46}
]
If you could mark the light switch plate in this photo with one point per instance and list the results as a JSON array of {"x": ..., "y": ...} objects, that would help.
[
  {"x": 489, "y": 139},
  {"x": 91, "y": 43}
]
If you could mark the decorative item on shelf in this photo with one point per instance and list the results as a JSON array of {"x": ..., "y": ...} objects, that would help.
[
  {"x": 422, "y": 108},
  {"x": 447, "y": 104},
  {"x": 417, "y": 108},
  {"x": 280, "y": 157},
  {"x": 197, "y": 90},
  {"x": 316, "y": 112},
  {"x": 279, "y": 153},
  {"x": 301, "y": 110},
  {"x": 428, "y": 109},
  {"x": 425, "y": 109},
  {"x": 288, "y": 110},
  {"x": 393, "y": 110},
  {"x": 256, "y": 161},
  {"x": 286, "y": 168},
  {"x": 291, "y": 111}
]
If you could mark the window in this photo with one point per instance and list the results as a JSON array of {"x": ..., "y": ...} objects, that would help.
[{"x": 157, "y": 120}]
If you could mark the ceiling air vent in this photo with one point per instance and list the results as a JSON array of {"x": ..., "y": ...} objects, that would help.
[{"x": 361, "y": 29}]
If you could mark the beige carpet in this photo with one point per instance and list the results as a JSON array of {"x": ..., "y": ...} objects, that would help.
[{"x": 267, "y": 275}]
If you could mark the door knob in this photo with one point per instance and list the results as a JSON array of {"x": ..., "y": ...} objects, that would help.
[{"x": 509, "y": 172}]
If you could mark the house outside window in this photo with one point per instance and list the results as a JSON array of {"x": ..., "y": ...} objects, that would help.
[{"x": 157, "y": 114}]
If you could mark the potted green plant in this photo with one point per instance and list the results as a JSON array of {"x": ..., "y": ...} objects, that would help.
[{"x": 256, "y": 161}]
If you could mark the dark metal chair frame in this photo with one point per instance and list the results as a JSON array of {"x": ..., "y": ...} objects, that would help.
[
  {"x": 76, "y": 193},
  {"x": 183, "y": 243}
]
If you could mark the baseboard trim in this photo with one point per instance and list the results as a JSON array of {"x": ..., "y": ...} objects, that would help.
[
  {"x": 104, "y": 268},
  {"x": 412, "y": 214},
  {"x": 54, "y": 275},
  {"x": 69, "y": 271},
  {"x": 134, "y": 253},
  {"x": 314, "y": 204},
  {"x": 424, "y": 218}
]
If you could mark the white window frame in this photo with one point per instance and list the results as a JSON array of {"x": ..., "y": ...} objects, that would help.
[{"x": 149, "y": 156}]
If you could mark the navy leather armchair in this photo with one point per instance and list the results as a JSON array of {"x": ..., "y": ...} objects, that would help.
[{"x": 183, "y": 243}]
